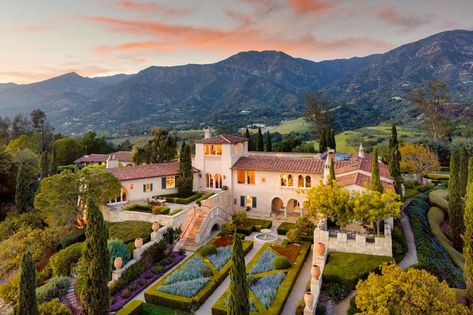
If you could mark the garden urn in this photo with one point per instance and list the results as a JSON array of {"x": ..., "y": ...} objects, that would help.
[
  {"x": 138, "y": 242},
  {"x": 308, "y": 299},
  {"x": 118, "y": 263},
  {"x": 315, "y": 272},
  {"x": 320, "y": 249},
  {"x": 155, "y": 226}
]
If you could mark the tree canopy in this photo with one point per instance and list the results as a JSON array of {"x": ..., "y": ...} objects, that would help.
[
  {"x": 162, "y": 147},
  {"x": 418, "y": 159}
]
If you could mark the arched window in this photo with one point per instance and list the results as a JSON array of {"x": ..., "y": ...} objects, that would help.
[
  {"x": 290, "y": 180},
  {"x": 283, "y": 180},
  {"x": 218, "y": 181},
  {"x": 300, "y": 181},
  {"x": 209, "y": 183},
  {"x": 308, "y": 181}
]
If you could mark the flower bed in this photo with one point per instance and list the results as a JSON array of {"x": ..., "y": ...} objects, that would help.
[
  {"x": 270, "y": 289},
  {"x": 125, "y": 294},
  {"x": 193, "y": 282}
]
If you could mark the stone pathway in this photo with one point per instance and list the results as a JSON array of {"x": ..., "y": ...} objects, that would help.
[
  {"x": 299, "y": 289},
  {"x": 71, "y": 298},
  {"x": 408, "y": 260}
]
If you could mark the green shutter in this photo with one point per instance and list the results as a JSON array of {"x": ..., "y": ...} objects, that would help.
[
  {"x": 254, "y": 202},
  {"x": 163, "y": 182},
  {"x": 151, "y": 187},
  {"x": 144, "y": 187},
  {"x": 242, "y": 201}
]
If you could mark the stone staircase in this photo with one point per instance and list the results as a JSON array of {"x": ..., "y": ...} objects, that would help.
[
  {"x": 72, "y": 300},
  {"x": 189, "y": 237}
]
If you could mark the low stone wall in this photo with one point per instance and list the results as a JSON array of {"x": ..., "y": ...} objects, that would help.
[
  {"x": 315, "y": 283},
  {"x": 155, "y": 237},
  {"x": 125, "y": 215}
]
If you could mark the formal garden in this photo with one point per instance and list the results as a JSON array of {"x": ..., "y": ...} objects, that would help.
[{"x": 187, "y": 287}]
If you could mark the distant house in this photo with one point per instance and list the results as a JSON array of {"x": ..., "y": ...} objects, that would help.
[{"x": 122, "y": 157}]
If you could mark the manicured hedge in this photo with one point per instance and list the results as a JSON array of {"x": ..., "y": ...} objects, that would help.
[
  {"x": 133, "y": 308},
  {"x": 284, "y": 227},
  {"x": 204, "y": 197},
  {"x": 252, "y": 225},
  {"x": 436, "y": 217},
  {"x": 128, "y": 231},
  {"x": 75, "y": 236},
  {"x": 139, "y": 207},
  {"x": 56, "y": 287},
  {"x": 348, "y": 268},
  {"x": 175, "y": 198},
  {"x": 62, "y": 262},
  {"x": 284, "y": 289},
  {"x": 431, "y": 255},
  {"x": 439, "y": 198},
  {"x": 154, "y": 296},
  {"x": 160, "y": 210}
]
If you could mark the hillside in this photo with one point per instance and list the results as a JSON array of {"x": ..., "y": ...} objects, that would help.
[{"x": 252, "y": 87}]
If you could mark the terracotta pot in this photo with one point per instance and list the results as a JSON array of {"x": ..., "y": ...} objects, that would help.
[
  {"x": 118, "y": 263},
  {"x": 315, "y": 272},
  {"x": 138, "y": 242},
  {"x": 320, "y": 249},
  {"x": 308, "y": 299},
  {"x": 155, "y": 226}
]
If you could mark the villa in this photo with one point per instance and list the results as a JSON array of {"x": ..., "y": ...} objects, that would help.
[
  {"x": 264, "y": 183},
  {"x": 122, "y": 157}
]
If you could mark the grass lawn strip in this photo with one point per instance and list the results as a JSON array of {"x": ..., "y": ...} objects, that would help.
[
  {"x": 187, "y": 303},
  {"x": 140, "y": 308}
]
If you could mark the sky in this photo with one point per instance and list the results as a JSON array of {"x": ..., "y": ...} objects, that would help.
[{"x": 45, "y": 38}]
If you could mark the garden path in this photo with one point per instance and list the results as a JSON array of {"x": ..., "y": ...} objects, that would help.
[
  {"x": 408, "y": 260},
  {"x": 71, "y": 298}
]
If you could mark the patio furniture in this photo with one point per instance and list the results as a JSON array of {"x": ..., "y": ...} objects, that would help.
[{"x": 161, "y": 201}]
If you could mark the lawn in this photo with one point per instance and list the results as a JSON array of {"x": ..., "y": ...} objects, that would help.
[
  {"x": 298, "y": 125},
  {"x": 269, "y": 287},
  {"x": 140, "y": 308},
  {"x": 128, "y": 231},
  {"x": 348, "y": 268}
]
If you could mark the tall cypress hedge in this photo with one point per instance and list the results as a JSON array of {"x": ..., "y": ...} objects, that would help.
[
  {"x": 27, "y": 303},
  {"x": 239, "y": 290},
  {"x": 468, "y": 235},
  {"x": 375, "y": 178},
  {"x": 455, "y": 203}
]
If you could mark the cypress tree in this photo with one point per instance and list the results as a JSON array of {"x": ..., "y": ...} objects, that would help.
[
  {"x": 395, "y": 160},
  {"x": 44, "y": 164},
  {"x": 375, "y": 178},
  {"x": 185, "y": 181},
  {"x": 24, "y": 193},
  {"x": 27, "y": 303},
  {"x": 96, "y": 260},
  {"x": 239, "y": 291},
  {"x": 250, "y": 143},
  {"x": 53, "y": 162},
  {"x": 332, "y": 139},
  {"x": 259, "y": 141},
  {"x": 463, "y": 171},
  {"x": 455, "y": 206},
  {"x": 269, "y": 145},
  {"x": 468, "y": 235},
  {"x": 332, "y": 171},
  {"x": 323, "y": 141}
]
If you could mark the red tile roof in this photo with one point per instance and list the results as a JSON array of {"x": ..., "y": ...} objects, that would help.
[
  {"x": 356, "y": 163},
  {"x": 267, "y": 163},
  {"x": 360, "y": 180},
  {"x": 122, "y": 156},
  {"x": 146, "y": 171},
  {"x": 222, "y": 139}
]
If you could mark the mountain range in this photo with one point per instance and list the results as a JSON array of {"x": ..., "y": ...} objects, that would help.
[{"x": 252, "y": 87}]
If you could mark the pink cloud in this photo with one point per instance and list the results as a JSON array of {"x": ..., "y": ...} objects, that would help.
[
  {"x": 311, "y": 6},
  {"x": 151, "y": 7},
  {"x": 393, "y": 16}
]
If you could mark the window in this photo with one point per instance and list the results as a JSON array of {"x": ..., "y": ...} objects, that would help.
[
  {"x": 147, "y": 187},
  {"x": 300, "y": 181},
  {"x": 212, "y": 149},
  {"x": 283, "y": 180},
  {"x": 308, "y": 181},
  {"x": 248, "y": 201},
  {"x": 170, "y": 181},
  {"x": 218, "y": 149},
  {"x": 242, "y": 146},
  {"x": 206, "y": 149},
  {"x": 250, "y": 175},
  {"x": 218, "y": 181},
  {"x": 263, "y": 179},
  {"x": 235, "y": 148},
  {"x": 240, "y": 177},
  {"x": 290, "y": 181},
  {"x": 209, "y": 182}
]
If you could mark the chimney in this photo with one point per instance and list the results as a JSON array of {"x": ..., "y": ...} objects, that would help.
[
  {"x": 328, "y": 162},
  {"x": 361, "y": 151},
  {"x": 206, "y": 133},
  {"x": 112, "y": 161}
]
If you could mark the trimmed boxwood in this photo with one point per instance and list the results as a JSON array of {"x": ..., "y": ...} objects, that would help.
[
  {"x": 139, "y": 208},
  {"x": 252, "y": 225},
  {"x": 284, "y": 227},
  {"x": 153, "y": 296},
  {"x": 128, "y": 231},
  {"x": 160, "y": 210},
  {"x": 284, "y": 290},
  {"x": 62, "y": 262},
  {"x": 204, "y": 197},
  {"x": 175, "y": 198},
  {"x": 133, "y": 308}
]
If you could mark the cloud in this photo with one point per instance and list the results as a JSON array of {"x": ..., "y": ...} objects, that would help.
[
  {"x": 241, "y": 18},
  {"x": 148, "y": 45},
  {"x": 151, "y": 8},
  {"x": 311, "y": 6},
  {"x": 393, "y": 16}
]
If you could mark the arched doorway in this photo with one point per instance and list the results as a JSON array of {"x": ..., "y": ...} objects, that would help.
[
  {"x": 209, "y": 182},
  {"x": 293, "y": 206},
  {"x": 218, "y": 181},
  {"x": 123, "y": 197},
  {"x": 277, "y": 205}
]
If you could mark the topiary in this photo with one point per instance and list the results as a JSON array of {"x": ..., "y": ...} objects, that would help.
[
  {"x": 293, "y": 235},
  {"x": 208, "y": 250},
  {"x": 125, "y": 294},
  {"x": 158, "y": 269},
  {"x": 239, "y": 217},
  {"x": 206, "y": 272},
  {"x": 53, "y": 307},
  {"x": 305, "y": 225},
  {"x": 63, "y": 261},
  {"x": 281, "y": 262}
]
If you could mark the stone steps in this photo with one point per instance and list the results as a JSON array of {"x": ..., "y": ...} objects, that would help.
[{"x": 72, "y": 300}]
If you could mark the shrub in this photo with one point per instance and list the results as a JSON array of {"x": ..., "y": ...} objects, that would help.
[
  {"x": 128, "y": 231},
  {"x": 135, "y": 307},
  {"x": 306, "y": 226},
  {"x": 118, "y": 249},
  {"x": 158, "y": 269},
  {"x": 239, "y": 217},
  {"x": 335, "y": 291},
  {"x": 208, "y": 250},
  {"x": 139, "y": 208},
  {"x": 352, "y": 309},
  {"x": 75, "y": 236},
  {"x": 284, "y": 227},
  {"x": 53, "y": 307},
  {"x": 281, "y": 263},
  {"x": 131, "y": 273},
  {"x": 56, "y": 287},
  {"x": 206, "y": 272},
  {"x": 161, "y": 210},
  {"x": 204, "y": 197},
  {"x": 175, "y": 211},
  {"x": 439, "y": 198},
  {"x": 293, "y": 235},
  {"x": 227, "y": 228},
  {"x": 125, "y": 293},
  {"x": 63, "y": 261},
  {"x": 142, "y": 282}
]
